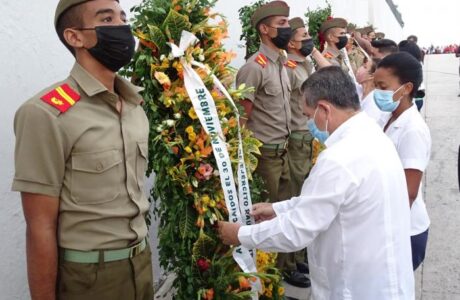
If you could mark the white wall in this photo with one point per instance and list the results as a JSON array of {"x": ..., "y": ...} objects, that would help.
[{"x": 31, "y": 58}]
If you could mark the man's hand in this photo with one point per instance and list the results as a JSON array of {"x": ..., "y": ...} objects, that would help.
[
  {"x": 228, "y": 233},
  {"x": 263, "y": 212}
]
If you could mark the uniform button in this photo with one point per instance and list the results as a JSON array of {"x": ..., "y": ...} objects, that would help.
[{"x": 99, "y": 166}]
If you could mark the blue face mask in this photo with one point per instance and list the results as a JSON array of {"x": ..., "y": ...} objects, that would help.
[
  {"x": 319, "y": 134},
  {"x": 384, "y": 100}
]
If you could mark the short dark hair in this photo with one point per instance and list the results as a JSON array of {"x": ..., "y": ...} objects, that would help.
[
  {"x": 413, "y": 38},
  {"x": 71, "y": 18},
  {"x": 411, "y": 48},
  {"x": 265, "y": 21},
  {"x": 385, "y": 46},
  {"x": 405, "y": 67},
  {"x": 333, "y": 85}
]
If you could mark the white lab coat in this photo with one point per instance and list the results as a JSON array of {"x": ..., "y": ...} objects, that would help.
[{"x": 353, "y": 214}]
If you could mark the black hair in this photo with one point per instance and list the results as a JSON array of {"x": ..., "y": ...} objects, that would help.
[
  {"x": 385, "y": 46},
  {"x": 405, "y": 67},
  {"x": 70, "y": 18},
  {"x": 333, "y": 85},
  {"x": 411, "y": 48},
  {"x": 413, "y": 38}
]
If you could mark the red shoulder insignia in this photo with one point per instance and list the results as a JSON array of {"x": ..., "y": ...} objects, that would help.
[
  {"x": 261, "y": 60},
  {"x": 61, "y": 98},
  {"x": 328, "y": 55},
  {"x": 291, "y": 64}
]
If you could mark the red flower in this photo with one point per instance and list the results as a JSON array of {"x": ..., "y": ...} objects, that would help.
[{"x": 203, "y": 265}]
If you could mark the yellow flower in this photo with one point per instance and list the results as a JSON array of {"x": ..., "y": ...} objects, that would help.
[
  {"x": 163, "y": 79},
  {"x": 189, "y": 129},
  {"x": 192, "y": 114},
  {"x": 205, "y": 199},
  {"x": 212, "y": 203},
  {"x": 192, "y": 137},
  {"x": 188, "y": 149},
  {"x": 281, "y": 291}
]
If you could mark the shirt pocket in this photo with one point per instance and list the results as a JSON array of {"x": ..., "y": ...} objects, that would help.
[
  {"x": 273, "y": 99},
  {"x": 141, "y": 163},
  {"x": 96, "y": 177}
]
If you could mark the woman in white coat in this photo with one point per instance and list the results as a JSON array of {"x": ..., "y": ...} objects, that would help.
[{"x": 397, "y": 79}]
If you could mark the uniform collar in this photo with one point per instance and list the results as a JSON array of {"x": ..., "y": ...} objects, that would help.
[
  {"x": 273, "y": 55},
  {"x": 405, "y": 117},
  {"x": 296, "y": 58},
  {"x": 333, "y": 51},
  {"x": 91, "y": 86},
  {"x": 342, "y": 130}
]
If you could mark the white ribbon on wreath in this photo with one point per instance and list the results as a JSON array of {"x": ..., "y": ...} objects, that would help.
[{"x": 239, "y": 204}]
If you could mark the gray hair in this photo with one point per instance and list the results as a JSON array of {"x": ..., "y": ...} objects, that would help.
[{"x": 333, "y": 85}]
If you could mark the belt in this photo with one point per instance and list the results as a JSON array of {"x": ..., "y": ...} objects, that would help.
[
  {"x": 280, "y": 146},
  {"x": 299, "y": 135},
  {"x": 91, "y": 257}
]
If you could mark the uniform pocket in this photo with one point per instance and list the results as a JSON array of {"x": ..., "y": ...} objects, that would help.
[
  {"x": 274, "y": 97},
  {"x": 96, "y": 177},
  {"x": 141, "y": 163},
  {"x": 76, "y": 279}
]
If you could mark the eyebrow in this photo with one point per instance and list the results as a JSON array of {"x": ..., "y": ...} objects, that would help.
[{"x": 109, "y": 11}]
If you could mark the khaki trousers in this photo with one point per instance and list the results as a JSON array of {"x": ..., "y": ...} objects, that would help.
[{"x": 128, "y": 279}]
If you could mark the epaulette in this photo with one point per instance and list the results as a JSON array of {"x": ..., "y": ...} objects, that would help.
[
  {"x": 62, "y": 98},
  {"x": 291, "y": 64},
  {"x": 261, "y": 60},
  {"x": 328, "y": 55}
]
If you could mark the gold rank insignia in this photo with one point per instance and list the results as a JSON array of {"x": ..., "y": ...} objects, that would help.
[
  {"x": 261, "y": 60},
  {"x": 62, "y": 98},
  {"x": 291, "y": 64}
]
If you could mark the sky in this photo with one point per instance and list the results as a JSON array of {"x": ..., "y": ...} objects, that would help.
[{"x": 433, "y": 21}]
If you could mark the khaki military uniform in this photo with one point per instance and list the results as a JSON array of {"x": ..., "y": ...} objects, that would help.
[
  {"x": 73, "y": 144},
  {"x": 270, "y": 121},
  {"x": 356, "y": 57},
  {"x": 271, "y": 116},
  {"x": 335, "y": 57}
]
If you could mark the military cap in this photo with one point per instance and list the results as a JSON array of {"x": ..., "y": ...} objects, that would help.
[
  {"x": 333, "y": 23},
  {"x": 383, "y": 43},
  {"x": 296, "y": 23},
  {"x": 273, "y": 8},
  {"x": 64, "y": 5},
  {"x": 379, "y": 35}
]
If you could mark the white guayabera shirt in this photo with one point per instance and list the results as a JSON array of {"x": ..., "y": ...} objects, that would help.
[{"x": 353, "y": 214}]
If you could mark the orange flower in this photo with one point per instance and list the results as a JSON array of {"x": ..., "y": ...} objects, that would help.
[
  {"x": 244, "y": 283},
  {"x": 209, "y": 295}
]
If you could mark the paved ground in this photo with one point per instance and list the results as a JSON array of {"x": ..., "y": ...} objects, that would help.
[{"x": 439, "y": 277}]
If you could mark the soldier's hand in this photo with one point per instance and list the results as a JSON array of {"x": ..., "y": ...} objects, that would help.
[
  {"x": 228, "y": 233},
  {"x": 263, "y": 212}
]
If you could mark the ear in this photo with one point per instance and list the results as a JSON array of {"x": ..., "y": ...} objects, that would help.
[
  {"x": 73, "y": 37},
  {"x": 408, "y": 88},
  {"x": 263, "y": 28},
  {"x": 291, "y": 45}
]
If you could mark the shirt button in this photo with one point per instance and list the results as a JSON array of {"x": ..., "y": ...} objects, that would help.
[{"x": 99, "y": 166}]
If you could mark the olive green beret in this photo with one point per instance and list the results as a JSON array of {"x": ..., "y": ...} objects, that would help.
[
  {"x": 333, "y": 23},
  {"x": 64, "y": 5},
  {"x": 274, "y": 8},
  {"x": 296, "y": 23}
]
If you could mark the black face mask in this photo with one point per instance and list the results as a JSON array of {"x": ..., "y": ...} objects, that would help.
[
  {"x": 115, "y": 46},
  {"x": 343, "y": 40},
  {"x": 282, "y": 38},
  {"x": 307, "y": 47}
]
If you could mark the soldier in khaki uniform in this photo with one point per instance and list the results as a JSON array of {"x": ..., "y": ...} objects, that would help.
[
  {"x": 81, "y": 155},
  {"x": 334, "y": 32},
  {"x": 268, "y": 111}
]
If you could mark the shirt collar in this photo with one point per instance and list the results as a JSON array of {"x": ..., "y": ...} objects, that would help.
[
  {"x": 91, "y": 86},
  {"x": 273, "y": 55},
  {"x": 342, "y": 130},
  {"x": 296, "y": 58},
  {"x": 333, "y": 51},
  {"x": 405, "y": 117}
]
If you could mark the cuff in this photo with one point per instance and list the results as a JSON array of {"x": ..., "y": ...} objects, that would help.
[
  {"x": 35, "y": 188},
  {"x": 244, "y": 236},
  {"x": 413, "y": 164},
  {"x": 280, "y": 207}
]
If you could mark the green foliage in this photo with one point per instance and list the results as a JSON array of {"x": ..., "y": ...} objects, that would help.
[
  {"x": 249, "y": 34},
  {"x": 315, "y": 19}
]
